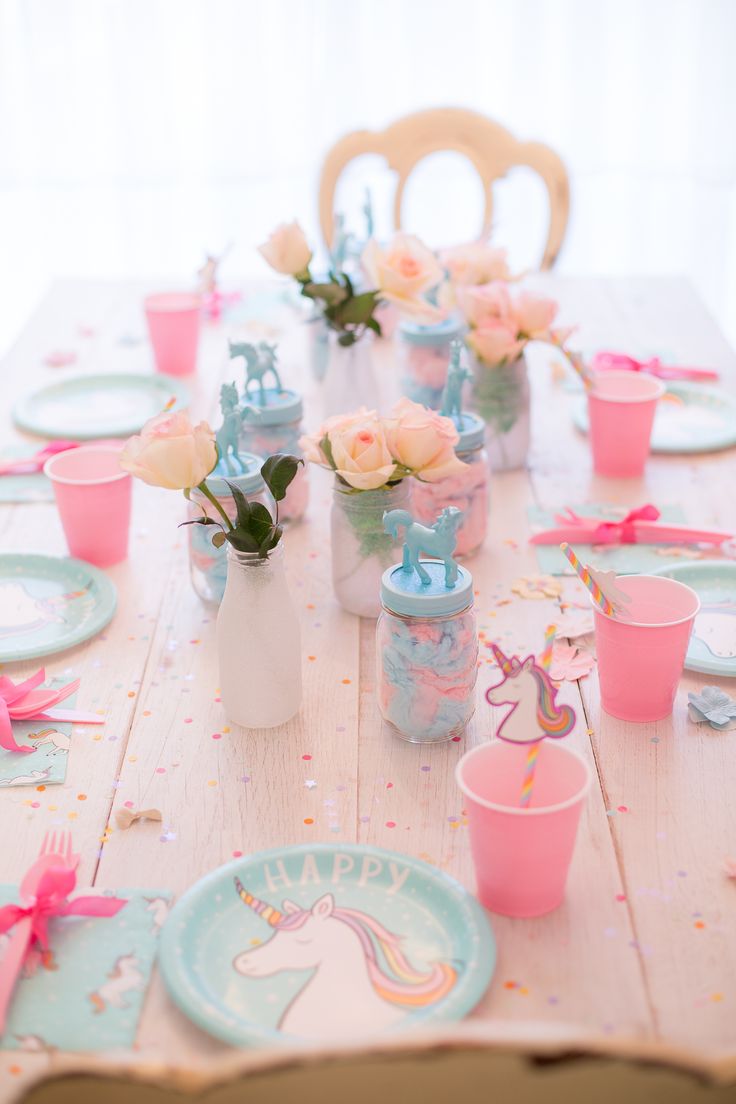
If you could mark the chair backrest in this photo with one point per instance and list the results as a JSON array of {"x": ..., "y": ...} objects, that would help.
[{"x": 487, "y": 145}]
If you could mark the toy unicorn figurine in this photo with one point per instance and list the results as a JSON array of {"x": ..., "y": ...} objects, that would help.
[
  {"x": 457, "y": 373},
  {"x": 439, "y": 540},
  {"x": 260, "y": 362},
  {"x": 359, "y": 978},
  {"x": 527, "y": 688},
  {"x": 228, "y": 434}
]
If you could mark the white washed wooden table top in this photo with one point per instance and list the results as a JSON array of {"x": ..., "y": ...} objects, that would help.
[{"x": 645, "y": 943}]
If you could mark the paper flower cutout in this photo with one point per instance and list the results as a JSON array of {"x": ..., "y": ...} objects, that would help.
[
  {"x": 570, "y": 662},
  {"x": 714, "y": 706},
  {"x": 59, "y": 358},
  {"x": 575, "y": 623},
  {"x": 537, "y": 586}
]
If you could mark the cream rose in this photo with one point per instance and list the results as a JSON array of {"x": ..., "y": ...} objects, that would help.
[
  {"x": 402, "y": 272},
  {"x": 287, "y": 250},
  {"x": 360, "y": 452},
  {"x": 475, "y": 263},
  {"x": 171, "y": 452},
  {"x": 533, "y": 313},
  {"x": 423, "y": 441},
  {"x": 495, "y": 341}
]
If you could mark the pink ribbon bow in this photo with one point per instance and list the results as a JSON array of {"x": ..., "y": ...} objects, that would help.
[
  {"x": 614, "y": 532},
  {"x": 51, "y": 900},
  {"x": 23, "y": 701}
]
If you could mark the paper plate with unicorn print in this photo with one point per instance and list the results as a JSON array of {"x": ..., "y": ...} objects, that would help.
[
  {"x": 49, "y": 603},
  {"x": 325, "y": 942},
  {"x": 712, "y": 647}
]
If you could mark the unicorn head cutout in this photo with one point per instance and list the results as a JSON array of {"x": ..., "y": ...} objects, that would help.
[
  {"x": 457, "y": 373},
  {"x": 534, "y": 712},
  {"x": 360, "y": 981},
  {"x": 439, "y": 540}
]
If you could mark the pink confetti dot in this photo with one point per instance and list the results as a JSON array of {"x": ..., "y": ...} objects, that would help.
[
  {"x": 35, "y": 804},
  {"x": 216, "y": 735},
  {"x": 188, "y": 720},
  {"x": 160, "y": 770},
  {"x": 456, "y": 739},
  {"x": 128, "y": 804},
  {"x": 237, "y": 854},
  {"x": 390, "y": 823},
  {"x": 389, "y": 785},
  {"x": 622, "y": 808},
  {"x": 307, "y": 757}
]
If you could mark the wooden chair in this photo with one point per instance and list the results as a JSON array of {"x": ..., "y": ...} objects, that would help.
[{"x": 490, "y": 148}]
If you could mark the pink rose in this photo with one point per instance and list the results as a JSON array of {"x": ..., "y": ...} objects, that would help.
[
  {"x": 485, "y": 302},
  {"x": 359, "y": 449},
  {"x": 495, "y": 342},
  {"x": 171, "y": 452},
  {"x": 475, "y": 263},
  {"x": 423, "y": 441},
  {"x": 533, "y": 313}
]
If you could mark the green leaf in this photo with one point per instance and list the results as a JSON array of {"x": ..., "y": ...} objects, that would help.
[
  {"x": 204, "y": 520},
  {"x": 331, "y": 293},
  {"x": 218, "y": 539},
  {"x": 242, "y": 540},
  {"x": 327, "y": 450},
  {"x": 261, "y": 522},
  {"x": 242, "y": 506},
  {"x": 375, "y": 325},
  {"x": 278, "y": 472},
  {"x": 358, "y": 309},
  {"x": 348, "y": 284},
  {"x": 347, "y": 339},
  {"x": 271, "y": 540}
]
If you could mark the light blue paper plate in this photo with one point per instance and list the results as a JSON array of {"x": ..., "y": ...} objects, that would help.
[
  {"x": 338, "y": 941},
  {"x": 49, "y": 603},
  {"x": 712, "y": 648},
  {"x": 690, "y": 418},
  {"x": 87, "y": 407}
]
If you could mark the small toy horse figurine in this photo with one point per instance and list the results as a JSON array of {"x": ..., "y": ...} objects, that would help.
[
  {"x": 259, "y": 362},
  {"x": 457, "y": 373},
  {"x": 439, "y": 540},
  {"x": 527, "y": 688},
  {"x": 228, "y": 434}
]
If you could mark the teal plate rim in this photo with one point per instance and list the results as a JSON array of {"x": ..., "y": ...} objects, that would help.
[
  {"x": 25, "y": 418},
  {"x": 463, "y": 998},
  {"x": 725, "y": 668},
  {"x": 726, "y": 440},
  {"x": 105, "y": 607}
]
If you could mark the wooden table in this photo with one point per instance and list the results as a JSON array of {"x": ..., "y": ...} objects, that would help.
[{"x": 645, "y": 943}]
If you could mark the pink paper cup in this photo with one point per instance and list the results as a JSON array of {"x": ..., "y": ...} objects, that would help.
[
  {"x": 173, "y": 325},
  {"x": 522, "y": 855},
  {"x": 621, "y": 408},
  {"x": 93, "y": 498},
  {"x": 640, "y": 660}
]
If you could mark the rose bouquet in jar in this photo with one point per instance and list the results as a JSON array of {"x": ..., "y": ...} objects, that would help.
[
  {"x": 500, "y": 327},
  {"x": 258, "y": 639},
  {"x": 375, "y": 459},
  {"x": 347, "y": 317}
]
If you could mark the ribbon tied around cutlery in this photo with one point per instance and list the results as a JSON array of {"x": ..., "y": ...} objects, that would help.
[
  {"x": 613, "y": 532},
  {"x": 24, "y": 701},
  {"x": 50, "y": 900}
]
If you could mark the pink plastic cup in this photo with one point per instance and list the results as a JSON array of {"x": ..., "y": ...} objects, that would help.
[
  {"x": 522, "y": 855},
  {"x": 173, "y": 324},
  {"x": 621, "y": 408},
  {"x": 93, "y": 498},
  {"x": 640, "y": 659}
]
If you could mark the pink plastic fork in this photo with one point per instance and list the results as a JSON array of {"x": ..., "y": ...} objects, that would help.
[
  {"x": 56, "y": 850},
  {"x": 606, "y": 360}
]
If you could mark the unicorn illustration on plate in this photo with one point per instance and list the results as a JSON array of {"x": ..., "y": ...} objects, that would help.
[
  {"x": 21, "y": 612},
  {"x": 715, "y": 625},
  {"x": 361, "y": 980}
]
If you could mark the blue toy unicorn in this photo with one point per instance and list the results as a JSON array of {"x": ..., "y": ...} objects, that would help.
[{"x": 438, "y": 540}]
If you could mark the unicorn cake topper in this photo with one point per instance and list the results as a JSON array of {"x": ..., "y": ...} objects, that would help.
[
  {"x": 457, "y": 374},
  {"x": 438, "y": 540},
  {"x": 260, "y": 361},
  {"x": 528, "y": 689}
]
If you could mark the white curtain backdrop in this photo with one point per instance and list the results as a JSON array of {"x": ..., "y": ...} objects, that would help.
[{"x": 136, "y": 134}]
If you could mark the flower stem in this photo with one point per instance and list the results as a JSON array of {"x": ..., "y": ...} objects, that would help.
[{"x": 208, "y": 494}]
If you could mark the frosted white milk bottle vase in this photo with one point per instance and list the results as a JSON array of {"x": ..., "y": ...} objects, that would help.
[{"x": 258, "y": 642}]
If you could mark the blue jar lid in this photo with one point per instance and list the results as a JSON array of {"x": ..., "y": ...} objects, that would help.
[
  {"x": 249, "y": 481},
  {"x": 277, "y": 408},
  {"x": 472, "y": 430},
  {"x": 403, "y": 591},
  {"x": 437, "y": 334}
]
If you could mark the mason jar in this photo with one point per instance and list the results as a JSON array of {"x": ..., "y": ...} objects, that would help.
[
  {"x": 276, "y": 426},
  {"x": 361, "y": 549},
  {"x": 427, "y": 653},
  {"x": 502, "y": 397},
  {"x": 469, "y": 490},
  {"x": 207, "y": 564},
  {"x": 423, "y": 353}
]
